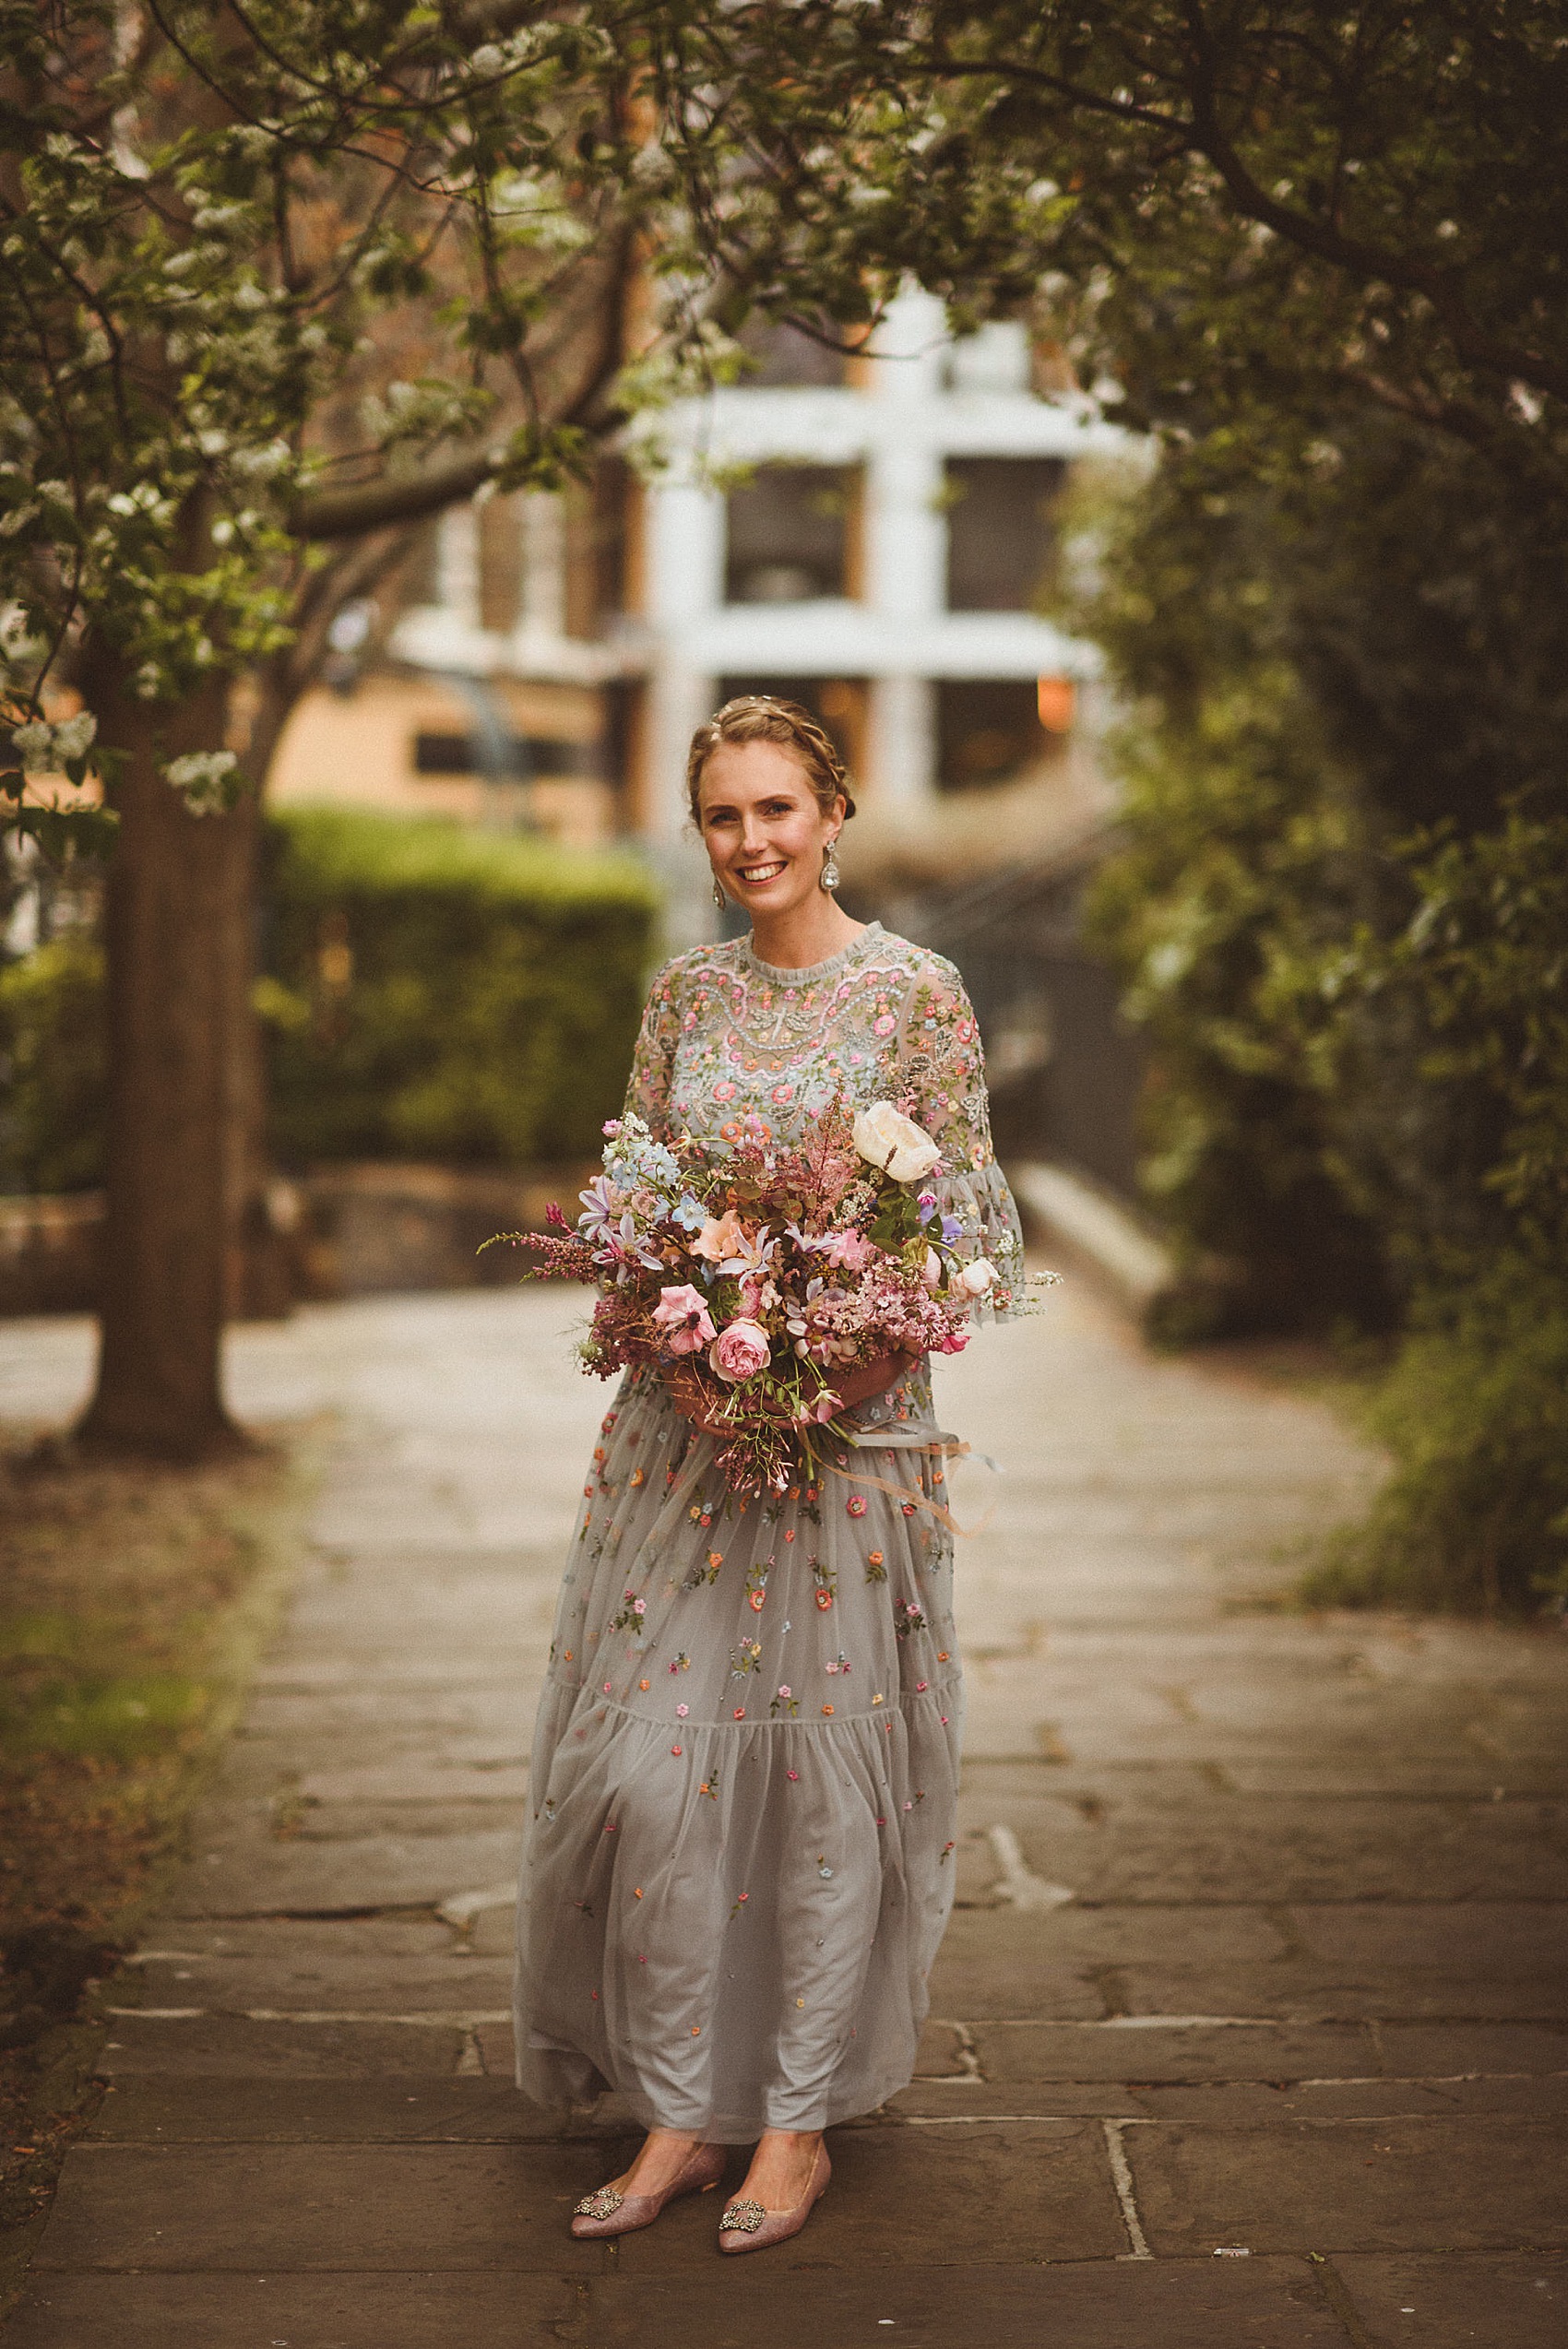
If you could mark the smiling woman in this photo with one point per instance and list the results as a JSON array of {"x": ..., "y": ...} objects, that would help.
[
  {"x": 769, "y": 797},
  {"x": 732, "y": 1903}
]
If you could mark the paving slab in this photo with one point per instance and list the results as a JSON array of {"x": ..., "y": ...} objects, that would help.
[
  {"x": 1461, "y": 2301},
  {"x": 1493, "y": 1940},
  {"x": 370, "y": 2311},
  {"x": 388, "y": 2108},
  {"x": 1110, "y": 1845},
  {"x": 1185, "y": 2305},
  {"x": 229, "y": 2047},
  {"x": 254, "y": 1874},
  {"x": 317, "y": 2208},
  {"x": 1118, "y": 2050},
  {"x": 1307, "y": 1990},
  {"x": 1478, "y": 2182}
]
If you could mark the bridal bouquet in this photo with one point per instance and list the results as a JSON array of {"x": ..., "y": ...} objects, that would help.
[{"x": 770, "y": 1286}]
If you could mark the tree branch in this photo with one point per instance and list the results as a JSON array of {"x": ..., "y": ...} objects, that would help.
[
  {"x": 383, "y": 505},
  {"x": 1368, "y": 264}
]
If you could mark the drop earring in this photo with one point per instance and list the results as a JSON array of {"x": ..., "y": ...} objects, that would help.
[
  {"x": 828, "y": 878},
  {"x": 719, "y": 899}
]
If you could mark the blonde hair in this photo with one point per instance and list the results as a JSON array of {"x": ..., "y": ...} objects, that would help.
[{"x": 759, "y": 718}]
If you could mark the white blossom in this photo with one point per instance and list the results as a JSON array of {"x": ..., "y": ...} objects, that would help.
[{"x": 201, "y": 779}]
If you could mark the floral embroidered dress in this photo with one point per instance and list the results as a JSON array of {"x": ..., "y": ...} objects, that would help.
[{"x": 745, "y": 1764}]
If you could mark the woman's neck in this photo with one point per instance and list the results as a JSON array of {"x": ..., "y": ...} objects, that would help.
[{"x": 804, "y": 935}]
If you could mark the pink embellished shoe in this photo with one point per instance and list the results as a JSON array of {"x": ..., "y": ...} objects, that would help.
[
  {"x": 746, "y": 2226},
  {"x": 608, "y": 2212}
]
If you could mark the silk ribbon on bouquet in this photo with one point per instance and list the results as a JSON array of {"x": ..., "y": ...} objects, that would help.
[{"x": 933, "y": 1441}]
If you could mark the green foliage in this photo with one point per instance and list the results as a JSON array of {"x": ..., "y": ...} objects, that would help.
[
  {"x": 1227, "y": 909},
  {"x": 442, "y": 994},
  {"x": 434, "y": 994},
  {"x": 53, "y": 1068},
  {"x": 1475, "y": 1412},
  {"x": 334, "y": 266}
]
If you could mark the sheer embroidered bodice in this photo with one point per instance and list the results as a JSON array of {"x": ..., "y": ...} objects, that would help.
[
  {"x": 744, "y": 1773},
  {"x": 725, "y": 1035}
]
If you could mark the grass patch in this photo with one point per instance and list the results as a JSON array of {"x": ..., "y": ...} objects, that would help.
[{"x": 134, "y": 1602}]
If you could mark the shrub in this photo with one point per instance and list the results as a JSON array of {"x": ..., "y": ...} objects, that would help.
[
  {"x": 53, "y": 1068},
  {"x": 439, "y": 994},
  {"x": 1475, "y": 1411}
]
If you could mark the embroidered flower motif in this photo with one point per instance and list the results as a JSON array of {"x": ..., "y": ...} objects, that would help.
[
  {"x": 681, "y": 1711},
  {"x": 791, "y": 1775},
  {"x": 855, "y": 1506}
]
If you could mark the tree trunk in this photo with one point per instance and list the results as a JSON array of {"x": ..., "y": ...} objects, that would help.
[{"x": 180, "y": 934}]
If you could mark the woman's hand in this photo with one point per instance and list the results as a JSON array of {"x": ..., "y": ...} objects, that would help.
[
  {"x": 857, "y": 1382},
  {"x": 854, "y": 1383}
]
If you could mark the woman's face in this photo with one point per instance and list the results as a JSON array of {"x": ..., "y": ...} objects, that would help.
[{"x": 765, "y": 833}]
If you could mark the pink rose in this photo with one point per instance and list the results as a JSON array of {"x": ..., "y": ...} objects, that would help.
[
  {"x": 682, "y": 1315},
  {"x": 740, "y": 1351}
]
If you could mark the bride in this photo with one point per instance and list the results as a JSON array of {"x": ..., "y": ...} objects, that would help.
[{"x": 739, "y": 1863}]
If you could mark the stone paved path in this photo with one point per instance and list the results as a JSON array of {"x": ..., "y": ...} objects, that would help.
[{"x": 1288, "y": 2070}]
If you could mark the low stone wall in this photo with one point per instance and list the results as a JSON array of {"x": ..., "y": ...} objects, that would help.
[
  {"x": 373, "y": 1228},
  {"x": 49, "y": 1253},
  {"x": 344, "y": 1231}
]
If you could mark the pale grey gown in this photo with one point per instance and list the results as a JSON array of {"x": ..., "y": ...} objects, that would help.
[{"x": 739, "y": 1862}]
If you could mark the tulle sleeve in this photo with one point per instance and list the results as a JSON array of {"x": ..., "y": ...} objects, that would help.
[
  {"x": 941, "y": 1047},
  {"x": 648, "y": 1092}
]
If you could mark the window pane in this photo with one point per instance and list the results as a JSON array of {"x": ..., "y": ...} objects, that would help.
[
  {"x": 1001, "y": 536},
  {"x": 988, "y": 731},
  {"x": 790, "y": 534}
]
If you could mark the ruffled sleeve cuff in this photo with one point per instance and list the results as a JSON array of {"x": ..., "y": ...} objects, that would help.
[{"x": 989, "y": 1226}]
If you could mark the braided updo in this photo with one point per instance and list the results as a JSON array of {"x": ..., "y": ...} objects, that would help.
[{"x": 759, "y": 718}]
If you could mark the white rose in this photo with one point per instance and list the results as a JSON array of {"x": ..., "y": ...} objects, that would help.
[
  {"x": 978, "y": 1277},
  {"x": 886, "y": 1138}
]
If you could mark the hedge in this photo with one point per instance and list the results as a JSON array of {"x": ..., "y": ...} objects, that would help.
[
  {"x": 53, "y": 1067},
  {"x": 439, "y": 993},
  {"x": 428, "y": 992}
]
